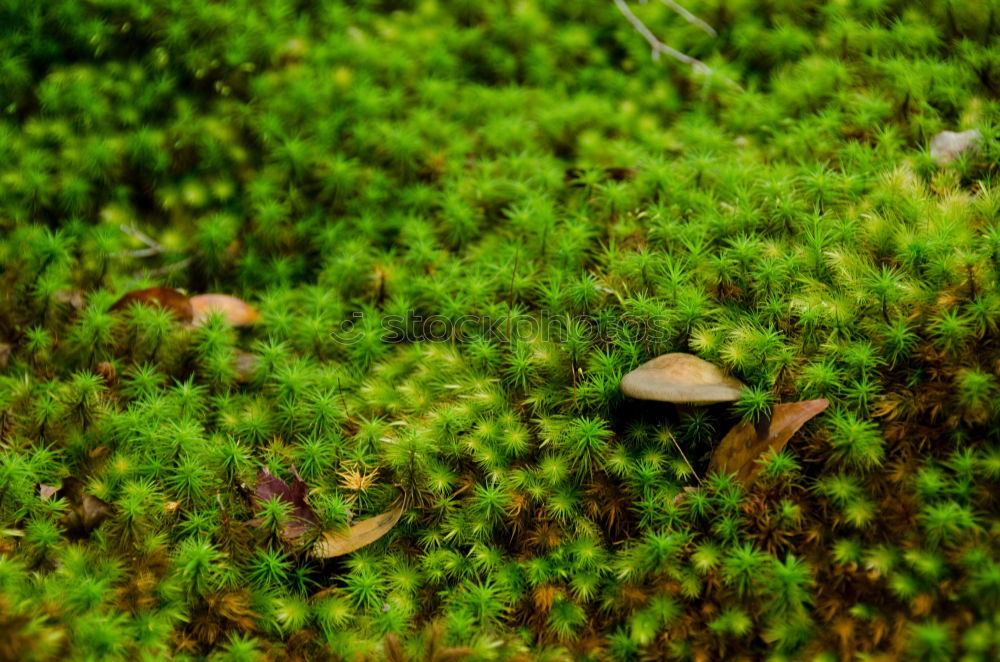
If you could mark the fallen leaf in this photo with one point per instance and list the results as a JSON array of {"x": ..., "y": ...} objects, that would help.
[
  {"x": 86, "y": 512},
  {"x": 46, "y": 492},
  {"x": 192, "y": 310},
  {"x": 236, "y": 311},
  {"x": 163, "y": 297},
  {"x": 270, "y": 486},
  {"x": 363, "y": 533},
  {"x": 738, "y": 449},
  {"x": 679, "y": 498},
  {"x": 107, "y": 371},
  {"x": 434, "y": 648},
  {"x": 8, "y": 548}
]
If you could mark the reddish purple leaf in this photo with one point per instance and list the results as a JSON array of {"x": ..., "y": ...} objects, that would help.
[{"x": 270, "y": 486}]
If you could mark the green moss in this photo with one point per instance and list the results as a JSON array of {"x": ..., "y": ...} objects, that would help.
[{"x": 462, "y": 224}]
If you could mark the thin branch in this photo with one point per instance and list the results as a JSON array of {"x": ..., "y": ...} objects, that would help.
[
  {"x": 166, "y": 269},
  {"x": 678, "y": 447},
  {"x": 153, "y": 247},
  {"x": 691, "y": 18},
  {"x": 659, "y": 47}
]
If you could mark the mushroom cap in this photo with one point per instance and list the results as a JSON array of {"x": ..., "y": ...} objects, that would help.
[{"x": 682, "y": 378}]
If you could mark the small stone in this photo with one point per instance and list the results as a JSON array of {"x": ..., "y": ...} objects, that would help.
[
  {"x": 73, "y": 298},
  {"x": 949, "y": 145}
]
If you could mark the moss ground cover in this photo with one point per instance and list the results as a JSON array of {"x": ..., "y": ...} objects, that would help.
[{"x": 462, "y": 223}]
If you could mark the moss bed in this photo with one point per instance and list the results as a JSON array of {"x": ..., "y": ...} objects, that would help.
[{"x": 462, "y": 223}]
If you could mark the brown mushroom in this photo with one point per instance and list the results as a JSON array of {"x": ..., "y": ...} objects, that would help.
[{"x": 682, "y": 379}]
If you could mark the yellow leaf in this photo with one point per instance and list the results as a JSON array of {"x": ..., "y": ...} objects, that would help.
[{"x": 363, "y": 533}]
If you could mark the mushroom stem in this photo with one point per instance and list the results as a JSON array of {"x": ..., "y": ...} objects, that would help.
[{"x": 683, "y": 409}]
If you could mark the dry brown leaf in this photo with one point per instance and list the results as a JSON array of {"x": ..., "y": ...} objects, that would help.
[
  {"x": 738, "y": 449},
  {"x": 107, "y": 371},
  {"x": 164, "y": 297},
  {"x": 236, "y": 311},
  {"x": 85, "y": 513},
  {"x": 363, "y": 533}
]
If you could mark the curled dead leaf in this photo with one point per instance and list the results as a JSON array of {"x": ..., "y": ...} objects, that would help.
[
  {"x": 107, "y": 371},
  {"x": 679, "y": 498},
  {"x": 236, "y": 311},
  {"x": 270, "y": 487},
  {"x": 363, "y": 533},
  {"x": 85, "y": 513},
  {"x": 743, "y": 445},
  {"x": 164, "y": 297}
]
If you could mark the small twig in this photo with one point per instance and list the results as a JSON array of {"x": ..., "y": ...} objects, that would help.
[
  {"x": 659, "y": 47},
  {"x": 691, "y": 18},
  {"x": 678, "y": 447},
  {"x": 141, "y": 252},
  {"x": 153, "y": 247},
  {"x": 166, "y": 269}
]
